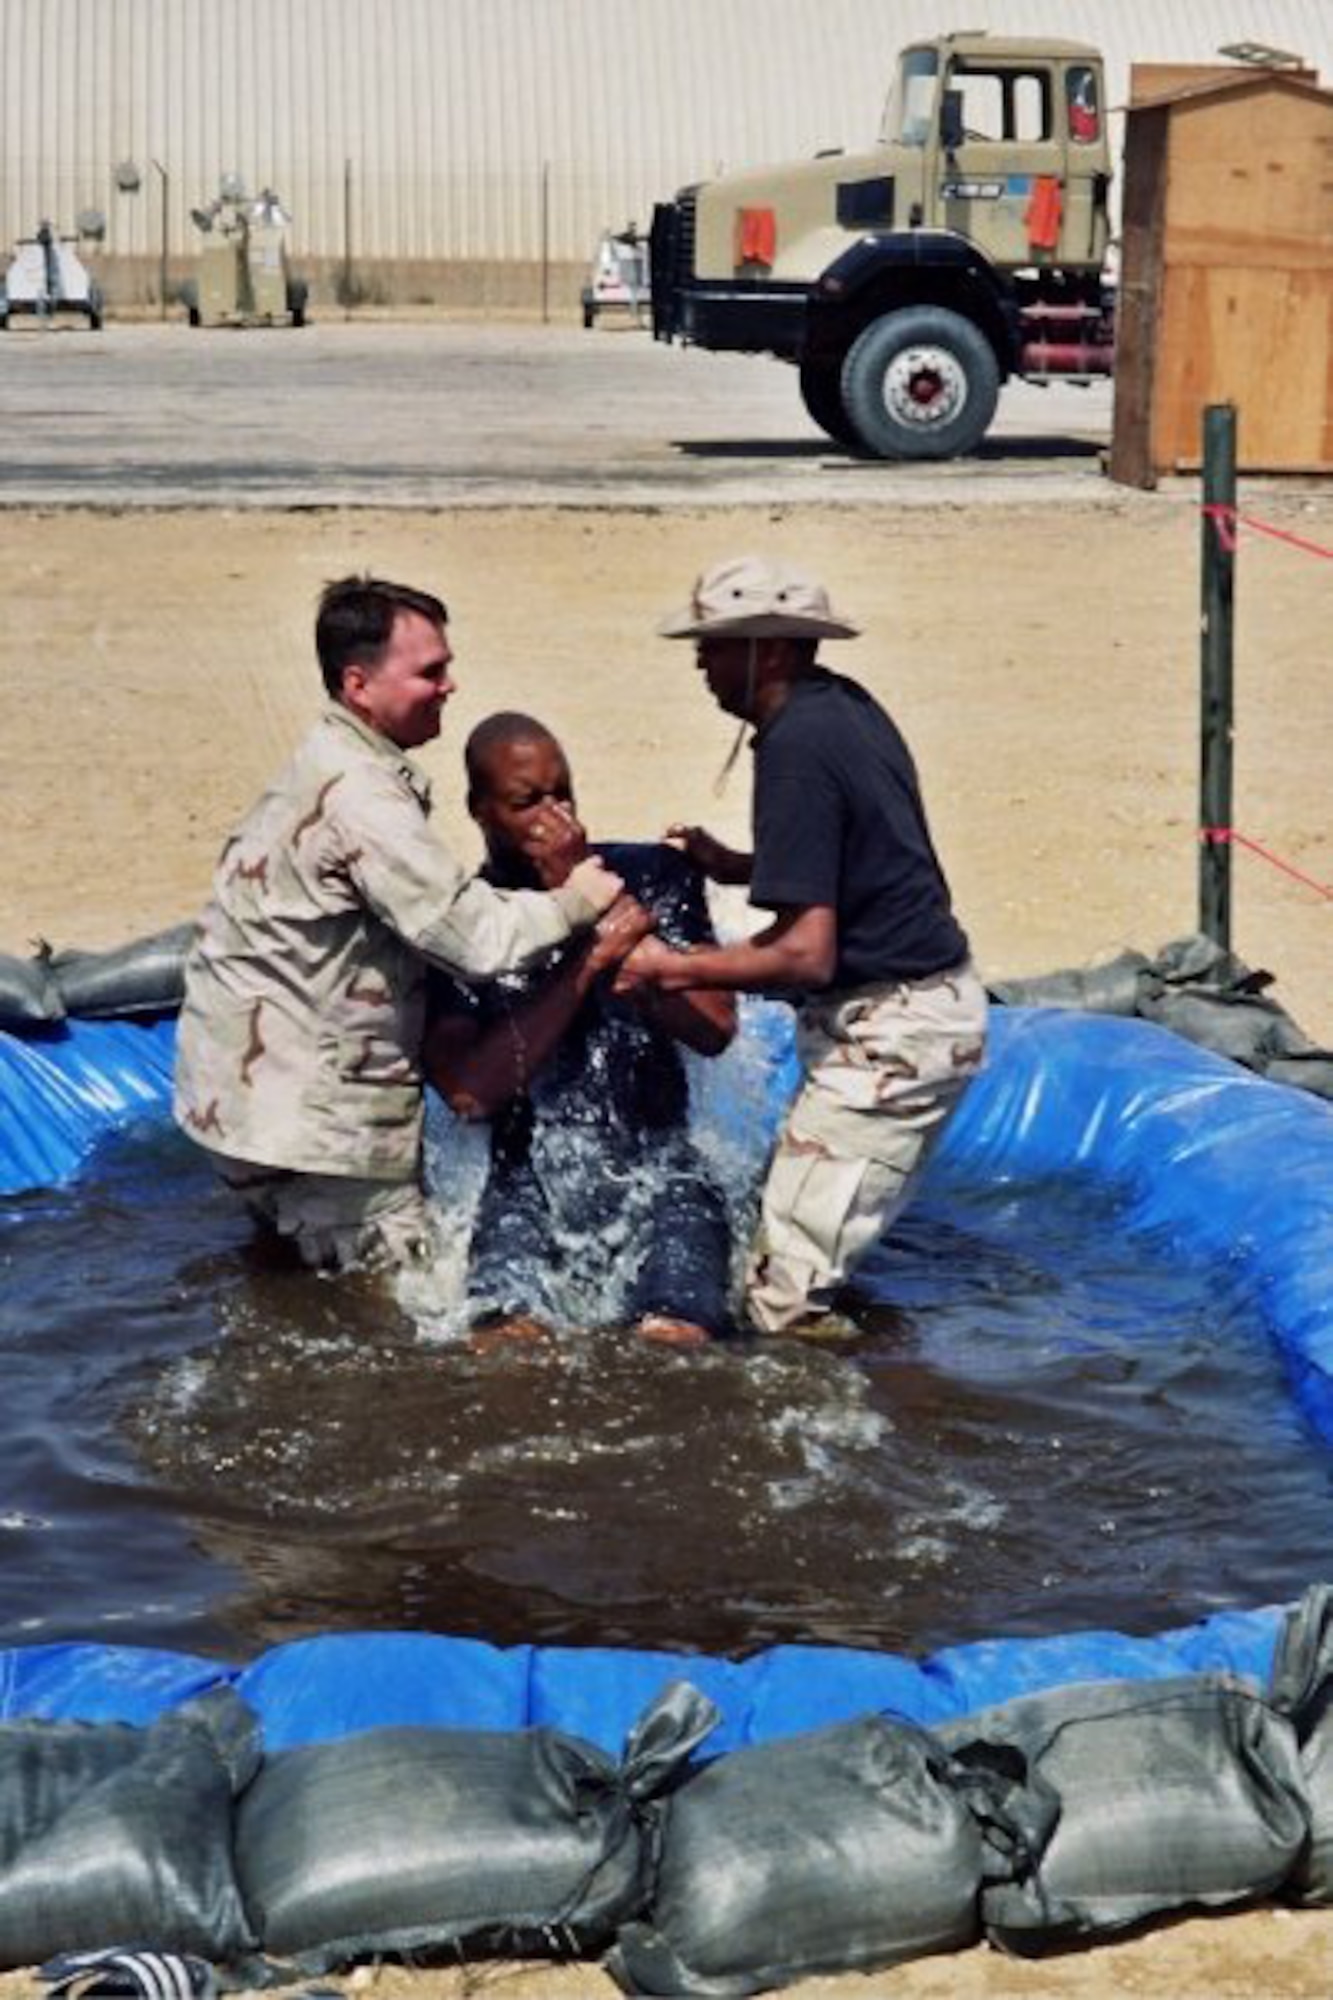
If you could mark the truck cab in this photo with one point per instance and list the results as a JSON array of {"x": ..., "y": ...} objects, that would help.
[{"x": 909, "y": 281}]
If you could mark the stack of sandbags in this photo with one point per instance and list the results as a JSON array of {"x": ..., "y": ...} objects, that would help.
[
  {"x": 1166, "y": 1795},
  {"x": 462, "y": 1842},
  {"x": 1062, "y": 1816},
  {"x": 844, "y": 1848},
  {"x": 146, "y": 976},
  {"x": 1198, "y": 991},
  {"x": 111, "y": 1833}
]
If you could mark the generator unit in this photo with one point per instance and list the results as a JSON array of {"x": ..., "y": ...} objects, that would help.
[
  {"x": 244, "y": 277},
  {"x": 47, "y": 277}
]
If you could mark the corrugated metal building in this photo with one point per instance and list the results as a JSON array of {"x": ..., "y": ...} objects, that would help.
[{"x": 460, "y": 148}]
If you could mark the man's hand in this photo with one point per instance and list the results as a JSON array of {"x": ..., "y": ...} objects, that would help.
[
  {"x": 711, "y": 856},
  {"x": 640, "y": 971},
  {"x": 617, "y": 934},
  {"x": 555, "y": 843},
  {"x": 595, "y": 882}
]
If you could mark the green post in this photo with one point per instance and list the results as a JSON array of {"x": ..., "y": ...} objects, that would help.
[{"x": 1216, "y": 713}]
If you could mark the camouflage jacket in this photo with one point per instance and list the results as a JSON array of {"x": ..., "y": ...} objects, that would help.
[{"x": 300, "y": 1033}]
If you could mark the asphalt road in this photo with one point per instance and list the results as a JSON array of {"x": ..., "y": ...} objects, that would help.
[{"x": 445, "y": 415}]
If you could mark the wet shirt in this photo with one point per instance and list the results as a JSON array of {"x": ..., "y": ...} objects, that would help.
[
  {"x": 299, "y": 1044},
  {"x": 614, "y": 1076},
  {"x": 839, "y": 820}
]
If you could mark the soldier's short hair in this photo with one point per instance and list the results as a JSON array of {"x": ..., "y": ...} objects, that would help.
[{"x": 355, "y": 620}]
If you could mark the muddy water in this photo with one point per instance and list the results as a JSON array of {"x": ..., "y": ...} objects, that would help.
[{"x": 1046, "y": 1429}]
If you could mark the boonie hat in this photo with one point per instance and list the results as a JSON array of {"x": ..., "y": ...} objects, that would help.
[{"x": 748, "y": 598}]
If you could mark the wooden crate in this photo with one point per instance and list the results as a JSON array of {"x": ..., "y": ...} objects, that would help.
[{"x": 1226, "y": 279}]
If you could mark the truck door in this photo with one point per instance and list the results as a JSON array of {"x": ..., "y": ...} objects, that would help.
[
  {"x": 1088, "y": 169},
  {"x": 1001, "y": 159}
]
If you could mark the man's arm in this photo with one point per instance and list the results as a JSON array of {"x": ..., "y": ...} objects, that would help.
[
  {"x": 403, "y": 872},
  {"x": 477, "y": 1070},
  {"x": 702, "y": 1021},
  {"x": 797, "y": 953}
]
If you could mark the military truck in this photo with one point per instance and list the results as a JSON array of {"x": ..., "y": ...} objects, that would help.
[{"x": 908, "y": 283}]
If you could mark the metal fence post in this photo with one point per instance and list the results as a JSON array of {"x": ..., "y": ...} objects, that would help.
[
  {"x": 165, "y": 180},
  {"x": 546, "y": 242},
  {"x": 347, "y": 235},
  {"x": 1216, "y": 707}
]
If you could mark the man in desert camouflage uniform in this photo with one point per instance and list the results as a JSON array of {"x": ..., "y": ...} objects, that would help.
[
  {"x": 299, "y": 1048},
  {"x": 892, "y": 1018}
]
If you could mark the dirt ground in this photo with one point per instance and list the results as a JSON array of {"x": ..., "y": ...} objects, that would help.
[
  {"x": 1265, "y": 1954},
  {"x": 1043, "y": 661}
]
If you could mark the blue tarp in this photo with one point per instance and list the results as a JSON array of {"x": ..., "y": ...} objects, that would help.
[
  {"x": 312, "y": 1690},
  {"x": 64, "y": 1090},
  {"x": 1227, "y": 1170}
]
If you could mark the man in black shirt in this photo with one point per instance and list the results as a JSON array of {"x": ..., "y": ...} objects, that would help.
[
  {"x": 597, "y": 1205},
  {"x": 892, "y": 1017}
]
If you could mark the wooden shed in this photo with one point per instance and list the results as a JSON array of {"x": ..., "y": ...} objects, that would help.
[{"x": 1226, "y": 274}]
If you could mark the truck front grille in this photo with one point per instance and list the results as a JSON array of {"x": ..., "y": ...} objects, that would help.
[
  {"x": 685, "y": 217},
  {"x": 671, "y": 256}
]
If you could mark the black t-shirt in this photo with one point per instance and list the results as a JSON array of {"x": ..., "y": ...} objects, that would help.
[
  {"x": 839, "y": 820},
  {"x": 613, "y": 1072}
]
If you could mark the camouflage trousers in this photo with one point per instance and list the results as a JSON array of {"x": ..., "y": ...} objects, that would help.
[
  {"x": 885, "y": 1066},
  {"x": 336, "y": 1221}
]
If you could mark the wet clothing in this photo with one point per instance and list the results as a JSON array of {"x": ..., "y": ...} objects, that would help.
[
  {"x": 839, "y": 820},
  {"x": 300, "y": 1035},
  {"x": 335, "y": 1221},
  {"x": 884, "y": 1070},
  {"x": 889, "y": 1047},
  {"x": 597, "y": 1205}
]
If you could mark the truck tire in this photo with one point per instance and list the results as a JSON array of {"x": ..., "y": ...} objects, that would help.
[
  {"x": 821, "y": 392},
  {"x": 921, "y": 383}
]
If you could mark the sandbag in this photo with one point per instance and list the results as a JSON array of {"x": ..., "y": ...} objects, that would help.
[
  {"x": 838, "y": 1849},
  {"x": 1302, "y": 1689},
  {"x": 1247, "y": 1027},
  {"x": 1198, "y": 960},
  {"x": 29, "y": 994},
  {"x": 1308, "y": 1069},
  {"x": 146, "y": 976},
  {"x": 110, "y": 1832},
  {"x": 1171, "y": 1794},
  {"x": 417, "y": 1839},
  {"x": 1199, "y": 991},
  {"x": 1113, "y": 988}
]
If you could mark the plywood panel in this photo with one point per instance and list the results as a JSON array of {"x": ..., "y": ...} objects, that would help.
[
  {"x": 1243, "y": 251},
  {"x": 1259, "y": 339},
  {"x": 1256, "y": 162},
  {"x": 1148, "y": 81}
]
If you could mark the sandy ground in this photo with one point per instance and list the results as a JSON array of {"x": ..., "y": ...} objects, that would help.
[
  {"x": 1042, "y": 660},
  {"x": 1265, "y": 1954}
]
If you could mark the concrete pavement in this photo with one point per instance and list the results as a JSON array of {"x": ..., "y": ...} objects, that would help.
[{"x": 432, "y": 415}]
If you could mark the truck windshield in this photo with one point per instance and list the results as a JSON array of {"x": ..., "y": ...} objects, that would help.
[{"x": 908, "y": 113}]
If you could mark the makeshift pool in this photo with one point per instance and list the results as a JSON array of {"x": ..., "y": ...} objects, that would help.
[{"x": 1084, "y": 1415}]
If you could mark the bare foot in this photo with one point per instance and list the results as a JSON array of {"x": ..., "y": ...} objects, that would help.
[
  {"x": 673, "y": 1332},
  {"x": 517, "y": 1330}
]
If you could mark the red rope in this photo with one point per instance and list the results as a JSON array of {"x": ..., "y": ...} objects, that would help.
[
  {"x": 1219, "y": 836},
  {"x": 1226, "y": 520}
]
